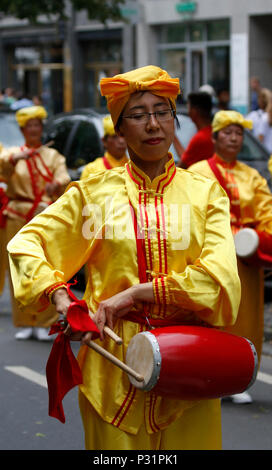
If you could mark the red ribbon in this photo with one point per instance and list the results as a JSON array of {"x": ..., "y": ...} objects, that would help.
[
  {"x": 62, "y": 369},
  {"x": 3, "y": 204}
]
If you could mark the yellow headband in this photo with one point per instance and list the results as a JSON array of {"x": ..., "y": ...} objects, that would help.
[
  {"x": 118, "y": 89},
  {"x": 32, "y": 112},
  {"x": 226, "y": 118},
  {"x": 108, "y": 126}
]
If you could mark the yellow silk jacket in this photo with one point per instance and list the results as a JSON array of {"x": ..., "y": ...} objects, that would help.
[
  {"x": 27, "y": 179},
  {"x": 99, "y": 164},
  {"x": 191, "y": 263}
]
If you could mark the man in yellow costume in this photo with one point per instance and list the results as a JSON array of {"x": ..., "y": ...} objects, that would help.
[
  {"x": 35, "y": 176},
  {"x": 115, "y": 154},
  {"x": 187, "y": 273},
  {"x": 250, "y": 206}
]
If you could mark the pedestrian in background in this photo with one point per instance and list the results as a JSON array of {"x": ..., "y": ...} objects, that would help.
[
  {"x": 250, "y": 206},
  {"x": 255, "y": 87},
  {"x": 201, "y": 145},
  {"x": 35, "y": 176},
  {"x": 265, "y": 129},
  {"x": 256, "y": 116}
]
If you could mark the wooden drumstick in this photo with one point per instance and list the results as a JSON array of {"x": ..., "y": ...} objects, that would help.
[
  {"x": 115, "y": 361},
  {"x": 109, "y": 332}
]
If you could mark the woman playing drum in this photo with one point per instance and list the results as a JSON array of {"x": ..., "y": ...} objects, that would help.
[
  {"x": 174, "y": 263},
  {"x": 250, "y": 208},
  {"x": 35, "y": 175}
]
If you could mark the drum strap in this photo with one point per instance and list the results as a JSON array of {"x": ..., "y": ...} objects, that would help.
[
  {"x": 107, "y": 163},
  {"x": 235, "y": 208},
  {"x": 142, "y": 269}
]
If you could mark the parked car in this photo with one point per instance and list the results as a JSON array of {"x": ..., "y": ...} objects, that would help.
[
  {"x": 10, "y": 133},
  {"x": 77, "y": 135},
  {"x": 252, "y": 153}
]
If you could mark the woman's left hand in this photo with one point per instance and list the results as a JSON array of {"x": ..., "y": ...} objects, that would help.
[
  {"x": 52, "y": 188},
  {"x": 120, "y": 304}
]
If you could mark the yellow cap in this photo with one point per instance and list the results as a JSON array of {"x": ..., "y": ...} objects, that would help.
[
  {"x": 31, "y": 112},
  {"x": 226, "y": 118},
  {"x": 118, "y": 89},
  {"x": 108, "y": 126}
]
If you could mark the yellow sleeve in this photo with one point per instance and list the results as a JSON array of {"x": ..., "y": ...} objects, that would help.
[
  {"x": 210, "y": 287},
  {"x": 49, "y": 249},
  {"x": 6, "y": 165},
  {"x": 60, "y": 170}
]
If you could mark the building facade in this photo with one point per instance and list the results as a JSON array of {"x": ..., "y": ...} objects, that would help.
[{"x": 201, "y": 42}]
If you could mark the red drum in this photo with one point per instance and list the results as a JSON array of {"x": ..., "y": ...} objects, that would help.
[
  {"x": 192, "y": 362},
  {"x": 254, "y": 247}
]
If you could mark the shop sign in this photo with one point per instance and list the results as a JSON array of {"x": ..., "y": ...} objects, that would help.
[
  {"x": 130, "y": 11},
  {"x": 186, "y": 8}
]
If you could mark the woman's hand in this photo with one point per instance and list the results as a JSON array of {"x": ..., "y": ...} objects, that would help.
[
  {"x": 52, "y": 188},
  {"x": 120, "y": 304},
  {"x": 24, "y": 155},
  {"x": 62, "y": 301}
]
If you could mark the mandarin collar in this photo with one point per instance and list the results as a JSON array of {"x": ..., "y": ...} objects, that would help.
[
  {"x": 159, "y": 183},
  {"x": 223, "y": 163},
  {"x": 114, "y": 162}
]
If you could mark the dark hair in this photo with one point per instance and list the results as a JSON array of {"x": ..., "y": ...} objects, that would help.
[{"x": 201, "y": 101}]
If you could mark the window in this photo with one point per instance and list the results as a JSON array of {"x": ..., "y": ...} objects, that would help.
[
  {"x": 218, "y": 67},
  {"x": 218, "y": 30}
]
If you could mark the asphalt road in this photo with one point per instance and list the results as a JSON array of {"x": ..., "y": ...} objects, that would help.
[{"x": 25, "y": 424}]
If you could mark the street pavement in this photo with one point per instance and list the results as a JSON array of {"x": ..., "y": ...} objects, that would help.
[{"x": 25, "y": 424}]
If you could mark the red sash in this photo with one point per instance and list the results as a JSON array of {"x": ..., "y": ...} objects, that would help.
[
  {"x": 3, "y": 204},
  {"x": 106, "y": 163}
]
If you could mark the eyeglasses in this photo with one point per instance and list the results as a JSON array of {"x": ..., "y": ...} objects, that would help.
[{"x": 142, "y": 118}]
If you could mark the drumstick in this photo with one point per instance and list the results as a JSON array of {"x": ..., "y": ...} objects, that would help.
[
  {"x": 109, "y": 332},
  {"x": 115, "y": 361}
]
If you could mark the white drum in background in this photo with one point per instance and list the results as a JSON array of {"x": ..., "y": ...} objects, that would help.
[{"x": 246, "y": 242}]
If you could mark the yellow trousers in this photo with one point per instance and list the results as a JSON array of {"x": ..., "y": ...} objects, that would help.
[{"x": 199, "y": 428}]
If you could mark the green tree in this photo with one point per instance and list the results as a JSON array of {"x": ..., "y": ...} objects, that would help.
[{"x": 101, "y": 10}]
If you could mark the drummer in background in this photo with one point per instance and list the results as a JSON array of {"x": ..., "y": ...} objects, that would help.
[
  {"x": 35, "y": 176},
  {"x": 270, "y": 165},
  {"x": 115, "y": 154},
  {"x": 250, "y": 206},
  {"x": 191, "y": 275}
]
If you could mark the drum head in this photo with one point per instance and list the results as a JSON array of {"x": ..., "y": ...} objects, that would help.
[
  {"x": 143, "y": 356},
  {"x": 246, "y": 242}
]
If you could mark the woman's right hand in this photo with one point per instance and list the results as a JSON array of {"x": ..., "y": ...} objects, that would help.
[
  {"x": 62, "y": 301},
  {"x": 24, "y": 155}
]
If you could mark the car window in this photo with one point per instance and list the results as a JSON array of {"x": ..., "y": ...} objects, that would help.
[
  {"x": 252, "y": 149},
  {"x": 59, "y": 132},
  {"x": 10, "y": 133},
  {"x": 85, "y": 146}
]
